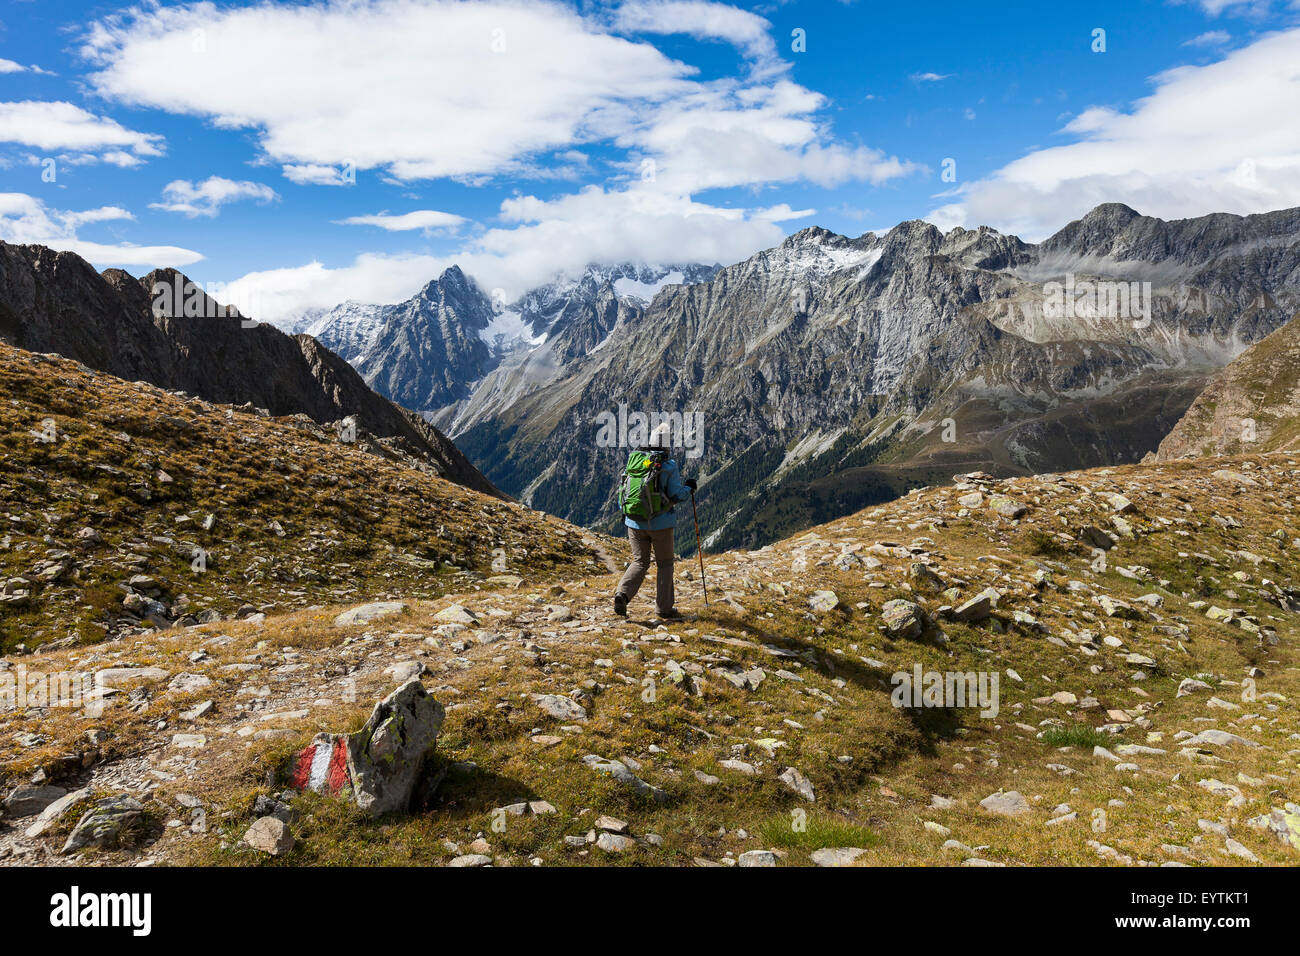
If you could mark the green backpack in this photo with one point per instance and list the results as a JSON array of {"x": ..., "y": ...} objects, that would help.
[{"x": 640, "y": 490}]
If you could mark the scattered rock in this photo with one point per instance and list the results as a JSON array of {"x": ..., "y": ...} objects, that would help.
[
  {"x": 1009, "y": 804},
  {"x": 366, "y": 613},
  {"x": 823, "y": 601},
  {"x": 903, "y": 619},
  {"x": 837, "y": 856},
  {"x": 561, "y": 708},
  {"x": 56, "y": 811},
  {"x": 269, "y": 835},
  {"x": 1283, "y": 824},
  {"x": 797, "y": 782},
  {"x": 29, "y": 800},
  {"x": 613, "y": 843},
  {"x": 619, "y": 771}
]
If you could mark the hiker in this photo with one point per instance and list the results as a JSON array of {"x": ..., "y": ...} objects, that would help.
[{"x": 651, "y": 484}]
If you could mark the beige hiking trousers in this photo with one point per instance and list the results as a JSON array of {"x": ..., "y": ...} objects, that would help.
[{"x": 643, "y": 543}]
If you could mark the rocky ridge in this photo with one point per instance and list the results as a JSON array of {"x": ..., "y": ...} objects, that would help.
[{"x": 833, "y": 373}]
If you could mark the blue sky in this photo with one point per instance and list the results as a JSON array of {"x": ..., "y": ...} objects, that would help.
[{"x": 310, "y": 153}]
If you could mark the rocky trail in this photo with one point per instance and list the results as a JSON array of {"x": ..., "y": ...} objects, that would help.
[{"x": 1140, "y": 623}]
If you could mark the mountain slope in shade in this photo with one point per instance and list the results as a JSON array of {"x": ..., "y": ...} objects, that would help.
[
  {"x": 56, "y": 302},
  {"x": 1253, "y": 404}
]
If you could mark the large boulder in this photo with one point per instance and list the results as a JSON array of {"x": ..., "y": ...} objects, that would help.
[
  {"x": 31, "y": 799},
  {"x": 380, "y": 766},
  {"x": 903, "y": 618},
  {"x": 1283, "y": 824},
  {"x": 111, "y": 823},
  {"x": 365, "y": 613}
]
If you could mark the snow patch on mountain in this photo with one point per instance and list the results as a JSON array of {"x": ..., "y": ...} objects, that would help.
[
  {"x": 634, "y": 288},
  {"x": 508, "y": 329}
]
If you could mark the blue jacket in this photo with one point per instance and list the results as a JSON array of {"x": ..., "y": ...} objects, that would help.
[{"x": 677, "y": 493}]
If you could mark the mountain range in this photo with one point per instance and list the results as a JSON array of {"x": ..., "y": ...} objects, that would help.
[{"x": 834, "y": 372}]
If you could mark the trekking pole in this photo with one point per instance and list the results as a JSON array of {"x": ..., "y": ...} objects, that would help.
[{"x": 699, "y": 549}]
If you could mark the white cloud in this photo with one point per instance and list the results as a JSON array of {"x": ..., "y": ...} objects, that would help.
[
  {"x": 318, "y": 174},
  {"x": 539, "y": 240},
  {"x": 338, "y": 89},
  {"x": 767, "y": 132},
  {"x": 26, "y": 219},
  {"x": 783, "y": 213},
  {"x": 358, "y": 85},
  {"x": 1238, "y": 155},
  {"x": 713, "y": 21},
  {"x": 929, "y": 77},
  {"x": 419, "y": 219},
  {"x": 64, "y": 126},
  {"x": 207, "y": 198},
  {"x": 382, "y": 83},
  {"x": 1215, "y": 7},
  {"x": 86, "y": 216},
  {"x": 1210, "y": 38},
  {"x": 9, "y": 66}
]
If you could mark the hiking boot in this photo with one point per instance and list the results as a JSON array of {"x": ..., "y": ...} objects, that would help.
[
  {"x": 672, "y": 615},
  {"x": 620, "y": 605}
]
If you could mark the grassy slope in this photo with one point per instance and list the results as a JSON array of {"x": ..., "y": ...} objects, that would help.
[
  {"x": 297, "y": 517},
  {"x": 1260, "y": 385},
  {"x": 832, "y": 702}
]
